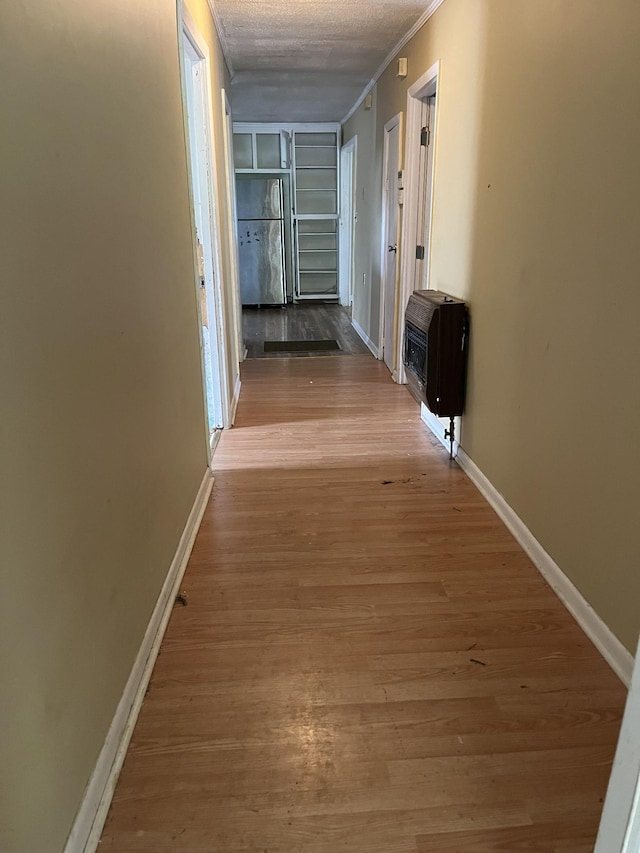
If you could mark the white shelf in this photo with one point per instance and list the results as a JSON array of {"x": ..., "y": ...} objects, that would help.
[
  {"x": 326, "y": 168},
  {"x": 309, "y": 216}
]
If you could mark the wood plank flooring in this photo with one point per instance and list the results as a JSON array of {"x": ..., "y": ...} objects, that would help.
[
  {"x": 368, "y": 663},
  {"x": 305, "y": 321}
]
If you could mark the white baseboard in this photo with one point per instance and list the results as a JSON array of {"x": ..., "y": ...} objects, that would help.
[
  {"x": 92, "y": 814},
  {"x": 236, "y": 399},
  {"x": 365, "y": 337},
  {"x": 617, "y": 656}
]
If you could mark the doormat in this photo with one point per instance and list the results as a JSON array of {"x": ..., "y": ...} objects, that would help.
[{"x": 300, "y": 346}]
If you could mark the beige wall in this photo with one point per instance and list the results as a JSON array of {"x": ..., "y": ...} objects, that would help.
[
  {"x": 102, "y": 436},
  {"x": 536, "y": 223}
]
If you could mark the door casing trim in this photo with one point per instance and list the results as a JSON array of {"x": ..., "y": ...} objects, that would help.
[{"x": 396, "y": 121}]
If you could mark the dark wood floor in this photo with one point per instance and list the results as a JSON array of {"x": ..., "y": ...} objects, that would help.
[
  {"x": 301, "y": 322},
  {"x": 368, "y": 662}
]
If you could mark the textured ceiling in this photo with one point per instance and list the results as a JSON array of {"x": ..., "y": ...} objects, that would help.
[{"x": 307, "y": 60}]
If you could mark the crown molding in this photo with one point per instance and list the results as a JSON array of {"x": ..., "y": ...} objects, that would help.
[
  {"x": 224, "y": 44},
  {"x": 422, "y": 20}
]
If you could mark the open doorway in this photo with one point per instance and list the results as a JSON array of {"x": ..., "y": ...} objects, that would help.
[
  {"x": 418, "y": 202},
  {"x": 424, "y": 190},
  {"x": 290, "y": 241},
  {"x": 195, "y": 80}
]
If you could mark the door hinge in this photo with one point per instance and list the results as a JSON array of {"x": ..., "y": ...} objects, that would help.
[
  {"x": 425, "y": 136},
  {"x": 419, "y": 253}
]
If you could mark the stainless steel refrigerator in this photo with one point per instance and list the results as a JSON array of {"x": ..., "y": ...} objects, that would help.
[{"x": 261, "y": 241}]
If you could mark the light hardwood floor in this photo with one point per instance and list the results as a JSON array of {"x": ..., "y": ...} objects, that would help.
[{"x": 368, "y": 662}]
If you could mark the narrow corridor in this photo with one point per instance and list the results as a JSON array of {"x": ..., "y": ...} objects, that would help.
[{"x": 367, "y": 661}]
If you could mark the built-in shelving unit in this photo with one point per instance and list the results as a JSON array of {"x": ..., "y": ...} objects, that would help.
[{"x": 315, "y": 155}]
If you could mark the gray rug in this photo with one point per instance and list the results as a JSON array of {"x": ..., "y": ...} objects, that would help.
[{"x": 300, "y": 346}]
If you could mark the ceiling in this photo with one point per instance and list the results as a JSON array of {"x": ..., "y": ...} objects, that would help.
[{"x": 308, "y": 60}]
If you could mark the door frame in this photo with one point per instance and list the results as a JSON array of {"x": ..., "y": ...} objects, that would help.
[
  {"x": 424, "y": 87},
  {"x": 190, "y": 32},
  {"x": 396, "y": 121},
  {"x": 620, "y": 823},
  {"x": 348, "y": 154},
  {"x": 232, "y": 223}
]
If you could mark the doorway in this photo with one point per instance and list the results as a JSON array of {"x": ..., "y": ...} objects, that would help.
[
  {"x": 424, "y": 188},
  {"x": 390, "y": 214},
  {"x": 418, "y": 202},
  {"x": 195, "y": 76},
  {"x": 348, "y": 218}
]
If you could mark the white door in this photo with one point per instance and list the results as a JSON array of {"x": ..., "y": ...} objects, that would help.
[
  {"x": 206, "y": 234},
  {"x": 347, "y": 220},
  {"x": 390, "y": 247},
  {"x": 425, "y": 188},
  {"x": 199, "y": 170},
  {"x": 418, "y": 170},
  {"x": 620, "y": 824}
]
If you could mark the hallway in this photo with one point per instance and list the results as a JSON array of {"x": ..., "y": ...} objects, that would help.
[{"x": 367, "y": 662}]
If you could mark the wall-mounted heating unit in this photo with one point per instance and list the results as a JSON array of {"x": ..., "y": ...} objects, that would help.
[{"x": 435, "y": 352}]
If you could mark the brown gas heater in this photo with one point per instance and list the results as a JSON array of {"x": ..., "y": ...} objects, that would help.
[{"x": 436, "y": 339}]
